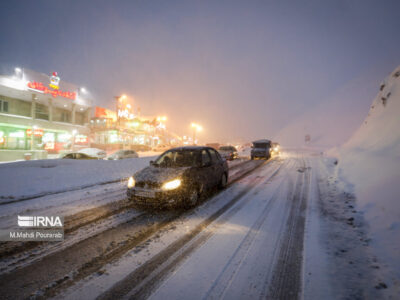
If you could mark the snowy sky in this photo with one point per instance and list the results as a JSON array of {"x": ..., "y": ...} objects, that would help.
[{"x": 242, "y": 69}]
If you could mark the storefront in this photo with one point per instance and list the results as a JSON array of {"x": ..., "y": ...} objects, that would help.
[
  {"x": 124, "y": 130},
  {"x": 39, "y": 113}
]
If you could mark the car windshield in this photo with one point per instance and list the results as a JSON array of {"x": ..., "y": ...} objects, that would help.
[
  {"x": 261, "y": 145},
  {"x": 178, "y": 158},
  {"x": 228, "y": 148}
]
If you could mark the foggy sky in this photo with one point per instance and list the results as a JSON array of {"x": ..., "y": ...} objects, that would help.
[{"x": 242, "y": 69}]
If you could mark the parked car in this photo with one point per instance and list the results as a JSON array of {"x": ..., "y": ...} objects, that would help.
[
  {"x": 77, "y": 155},
  {"x": 140, "y": 148},
  {"x": 179, "y": 176},
  {"x": 121, "y": 154},
  {"x": 275, "y": 149},
  {"x": 261, "y": 149},
  {"x": 161, "y": 148},
  {"x": 228, "y": 152},
  {"x": 98, "y": 153}
]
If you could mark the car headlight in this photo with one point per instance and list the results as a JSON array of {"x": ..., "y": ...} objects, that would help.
[
  {"x": 171, "y": 185},
  {"x": 276, "y": 149},
  {"x": 131, "y": 182}
]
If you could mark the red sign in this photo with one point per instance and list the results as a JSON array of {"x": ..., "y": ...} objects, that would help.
[
  {"x": 49, "y": 146},
  {"x": 101, "y": 112},
  {"x": 81, "y": 139},
  {"x": 38, "y": 86},
  {"x": 36, "y": 132}
]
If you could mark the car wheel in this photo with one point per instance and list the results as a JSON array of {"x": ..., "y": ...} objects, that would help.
[
  {"x": 224, "y": 181},
  {"x": 192, "y": 199}
]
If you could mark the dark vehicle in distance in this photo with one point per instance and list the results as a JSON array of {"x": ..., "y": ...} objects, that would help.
[
  {"x": 261, "y": 149},
  {"x": 121, "y": 154},
  {"x": 77, "y": 155},
  {"x": 178, "y": 177},
  {"x": 228, "y": 152}
]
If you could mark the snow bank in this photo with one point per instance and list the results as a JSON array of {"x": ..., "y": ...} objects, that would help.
[
  {"x": 370, "y": 163},
  {"x": 28, "y": 179},
  {"x": 333, "y": 119}
]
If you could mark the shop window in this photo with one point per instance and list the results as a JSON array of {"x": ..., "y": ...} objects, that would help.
[
  {"x": 61, "y": 115},
  {"x": 3, "y": 106},
  {"x": 80, "y": 118},
  {"x": 15, "y": 106},
  {"x": 42, "y": 112}
]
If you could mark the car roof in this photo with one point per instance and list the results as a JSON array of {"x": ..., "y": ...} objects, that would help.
[
  {"x": 262, "y": 141},
  {"x": 192, "y": 148}
]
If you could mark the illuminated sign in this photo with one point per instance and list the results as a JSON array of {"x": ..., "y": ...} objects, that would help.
[
  {"x": 49, "y": 146},
  {"x": 54, "y": 81},
  {"x": 124, "y": 113},
  {"x": 17, "y": 134},
  {"x": 39, "y": 87},
  {"x": 36, "y": 132},
  {"x": 81, "y": 139},
  {"x": 101, "y": 112}
]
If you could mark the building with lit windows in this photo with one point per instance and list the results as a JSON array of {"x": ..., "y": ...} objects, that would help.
[
  {"x": 123, "y": 129},
  {"x": 41, "y": 114}
]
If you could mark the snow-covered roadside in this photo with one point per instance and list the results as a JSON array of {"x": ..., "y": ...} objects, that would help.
[
  {"x": 369, "y": 167},
  {"x": 27, "y": 179}
]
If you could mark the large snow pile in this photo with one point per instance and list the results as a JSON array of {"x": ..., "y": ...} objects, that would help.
[
  {"x": 27, "y": 179},
  {"x": 333, "y": 119},
  {"x": 370, "y": 163}
]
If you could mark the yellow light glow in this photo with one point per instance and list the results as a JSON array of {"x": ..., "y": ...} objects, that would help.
[
  {"x": 197, "y": 127},
  {"x": 122, "y": 98},
  {"x": 171, "y": 185},
  {"x": 131, "y": 182}
]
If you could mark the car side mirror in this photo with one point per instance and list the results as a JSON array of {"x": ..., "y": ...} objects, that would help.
[{"x": 151, "y": 162}]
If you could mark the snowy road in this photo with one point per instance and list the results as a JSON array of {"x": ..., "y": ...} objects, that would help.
[{"x": 265, "y": 236}]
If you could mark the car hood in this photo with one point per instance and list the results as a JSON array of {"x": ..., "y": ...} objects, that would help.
[{"x": 159, "y": 175}]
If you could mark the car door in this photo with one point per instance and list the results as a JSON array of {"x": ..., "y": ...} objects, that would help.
[
  {"x": 206, "y": 170},
  {"x": 217, "y": 166}
]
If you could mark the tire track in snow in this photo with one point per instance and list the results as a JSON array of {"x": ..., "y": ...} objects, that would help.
[
  {"x": 141, "y": 282},
  {"x": 90, "y": 261},
  {"x": 286, "y": 280}
]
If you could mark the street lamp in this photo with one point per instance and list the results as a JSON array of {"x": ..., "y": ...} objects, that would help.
[{"x": 196, "y": 128}]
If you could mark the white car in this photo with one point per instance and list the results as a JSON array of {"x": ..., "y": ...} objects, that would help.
[
  {"x": 94, "y": 152},
  {"x": 121, "y": 154},
  {"x": 161, "y": 148}
]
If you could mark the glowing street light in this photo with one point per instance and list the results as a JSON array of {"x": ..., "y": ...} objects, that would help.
[
  {"x": 196, "y": 128},
  {"x": 161, "y": 119}
]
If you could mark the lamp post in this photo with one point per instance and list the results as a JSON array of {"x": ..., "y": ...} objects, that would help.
[{"x": 196, "y": 128}]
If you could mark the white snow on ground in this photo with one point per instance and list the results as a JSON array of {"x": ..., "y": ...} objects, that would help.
[
  {"x": 27, "y": 179},
  {"x": 91, "y": 287},
  {"x": 370, "y": 165}
]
